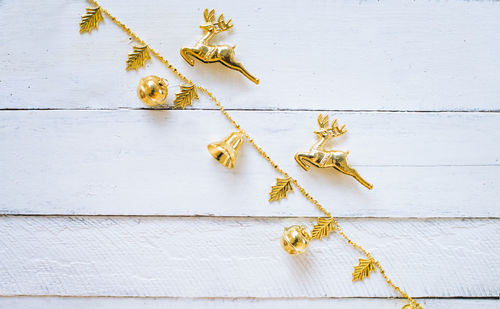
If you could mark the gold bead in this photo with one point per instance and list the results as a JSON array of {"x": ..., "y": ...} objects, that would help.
[
  {"x": 152, "y": 90},
  {"x": 295, "y": 239}
]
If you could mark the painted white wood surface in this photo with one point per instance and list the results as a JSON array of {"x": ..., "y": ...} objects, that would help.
[
  {"x": 156, "y": 163},
  {"x": 340, "y": 55},
  {"x": 181, "y": 303},
  {"x": 241, "y": 257},
  {"x": 376, "y": 56}
]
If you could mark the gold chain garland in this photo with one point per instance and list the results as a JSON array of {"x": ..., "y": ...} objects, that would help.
[{"x": 325, "y": 225}]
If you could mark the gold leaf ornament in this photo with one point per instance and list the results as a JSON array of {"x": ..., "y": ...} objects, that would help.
[
  {"x": 363, "y": 269},
  {"x": 185, "y": 97},
  {"x": 91, "y": 19},
  {"x": 280, "y": 189},
  {"x": 138, "y": 57},
  {"x": 323, "y": 228}
]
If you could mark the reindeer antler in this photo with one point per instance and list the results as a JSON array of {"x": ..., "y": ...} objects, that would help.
[
  {"x": 223, "y": 26},
  {"x": 209, "y": 16},
  {"x": 220, "y": 25},
  {"x": 323, "y": 121},
  {"x": 336, "y": 130}
]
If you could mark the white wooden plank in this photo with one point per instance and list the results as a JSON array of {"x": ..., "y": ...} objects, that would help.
[
  {"x": 241, "y": 257},
  {"x": 181, "y": 303},
  {"x": 155, "y": 162},
  {"x": 359, "y": 55}
]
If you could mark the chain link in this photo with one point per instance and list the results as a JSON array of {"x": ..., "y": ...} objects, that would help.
[{"x": 259, "y": 149}]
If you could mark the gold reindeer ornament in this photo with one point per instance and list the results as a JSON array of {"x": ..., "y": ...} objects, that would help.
[
  {"x": 322, "y": 158},
  {"x": 204, "y": 51}
]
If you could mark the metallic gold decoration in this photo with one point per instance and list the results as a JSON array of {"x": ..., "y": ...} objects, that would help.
[
  {"x": 279, "y": 191},
  {"x": 408, "y": 306},
  {"x": 322, "y": 158},
  {"x": 208, "y": 53},
  {"x": 185, "y": 97},
  {"x": 264, "y": 155},
  {"x": 363, "y": 269},
  {"x": 295, "y": 239},
  {"x": 138, "y": 57},
  {"x": 152, "y": 90},
  {"x": 91, "y": 19},
  {"x": 323, "y": 228},
  {"x": 226, "y": 150}
]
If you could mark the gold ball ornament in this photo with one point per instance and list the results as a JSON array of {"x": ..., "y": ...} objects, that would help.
[
  {"x": 152, "y": 90},
  {"x": 295, "y": 239}
]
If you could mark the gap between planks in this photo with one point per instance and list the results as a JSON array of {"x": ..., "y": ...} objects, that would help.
[
  {"x": 256, "y": 110},
  {"x": 257, "y": 217},
  {"x": 251, "y": 298},
  {"x": 30, "y": 302}
]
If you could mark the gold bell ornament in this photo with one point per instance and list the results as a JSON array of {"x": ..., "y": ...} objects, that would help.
[
  {"x": 295, "y": 239},
  {"x": 152, "y": 90},
  {"x": 225, "y": 151}
]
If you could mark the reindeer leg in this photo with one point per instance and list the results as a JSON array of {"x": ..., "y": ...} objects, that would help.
[
  {"x": 239, "y": 67},
  {"x": 301, "y": 159},
  {"x": 298, "y": 158},
  {"x": 352, "y": 172},
  {"x": 227, "y": 59},
  {"x": 185, "y": 54}
]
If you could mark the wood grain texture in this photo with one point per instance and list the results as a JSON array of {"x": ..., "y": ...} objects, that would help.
[
  {"x": 156, "y": 163},
  {"x": 105, "y": 155},
  {"x": 335, "y": 55},
  {"x": 188, "y": 303},
  {"x": 241, "y": 257}
]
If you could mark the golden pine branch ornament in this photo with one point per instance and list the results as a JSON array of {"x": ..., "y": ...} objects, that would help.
[
  {"x": 363, "y": 269},
  {"x": 185, "y": 97},
  {"x": 280, "y": 189},
  {"x": 91, "y": 19},
  {"x": 323, "y": 228},
  {"x": 138, "y": 57},
  {"x": 295, "y": 239}
]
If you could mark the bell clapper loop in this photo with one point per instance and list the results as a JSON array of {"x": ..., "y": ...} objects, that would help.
[
  {"x": 304, "y": 228},
  {"x": 174, "y": 86}
]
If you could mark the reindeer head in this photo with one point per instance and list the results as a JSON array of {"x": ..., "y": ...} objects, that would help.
[
  {"x": 212, "y": 26},
  {"x": 326, "y": 131}
]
